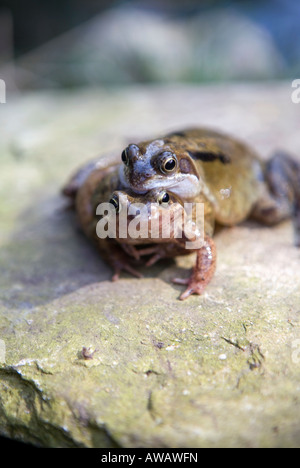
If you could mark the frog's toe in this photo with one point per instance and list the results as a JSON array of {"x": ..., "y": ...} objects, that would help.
[
  {"x": 155, "y": 258},
  {"x": 116, "y": 276},
  {"x": 156, "y": 254},
  {"x": 131, "y": 251},
  {"x": 180, "y": 281},
  {"x": 133, "y": 271},
  {"x": 191, "y": 289},
  {"x": 127, "y": 268},
  {"x": 148, "y": 250},
  {"x": 186, "y": 294}
]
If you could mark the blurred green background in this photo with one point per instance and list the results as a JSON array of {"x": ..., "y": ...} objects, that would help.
[{"x": 68, "y": 43}]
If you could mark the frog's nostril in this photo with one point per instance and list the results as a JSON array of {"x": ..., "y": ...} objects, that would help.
[
  {"x": 130, "y": 154},
  {"x": 132, "y": 151}
]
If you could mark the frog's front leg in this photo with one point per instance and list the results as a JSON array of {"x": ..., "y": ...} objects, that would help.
[
  {"x": 160, "y": 251},
  {"x": 280, "y": 195},
  {"x": 202, "y": 272},
  {"x": 117, "y": 258},
  {"x": 157, "y": 252},
  {"x": 131, "y": 250}
]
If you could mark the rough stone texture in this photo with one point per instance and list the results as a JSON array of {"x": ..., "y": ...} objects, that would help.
[{"x": 217, "y": 370}]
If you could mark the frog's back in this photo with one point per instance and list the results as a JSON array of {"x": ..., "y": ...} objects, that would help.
[{"x": 230, "y": 171}]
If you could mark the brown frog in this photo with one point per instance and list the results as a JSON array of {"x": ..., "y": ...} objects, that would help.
[
  {"x": 174, "y": 230},
  {"x": 225, "y": 171},
  {"x": 196, "y": 165}
]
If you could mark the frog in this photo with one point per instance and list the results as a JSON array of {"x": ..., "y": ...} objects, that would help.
[
  {"x": 225, "y": 170},
  {"x": 196, "y": 165},
  {"x": 127, "y": 252}
]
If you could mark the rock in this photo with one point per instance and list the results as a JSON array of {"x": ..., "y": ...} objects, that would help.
[
  {"x": 129, "y": 45},
  {"x": 214, "y": 371}
]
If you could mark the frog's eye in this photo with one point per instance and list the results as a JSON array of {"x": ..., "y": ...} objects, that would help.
[
  {"x": 124, "y": 156},
  {"x": 163, "y": 197},
  {"x": 115, "y": 202},
  {"x": 168, "y": 162},
  {"x": 130, "y": 153}
]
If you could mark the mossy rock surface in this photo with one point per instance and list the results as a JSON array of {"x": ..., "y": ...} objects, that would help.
[{"x": 221, "y": 370}]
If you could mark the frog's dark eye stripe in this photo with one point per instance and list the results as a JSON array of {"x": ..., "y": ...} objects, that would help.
[
  {"x": 208, "y": 157},
  {"x": 163, "y": 198}
]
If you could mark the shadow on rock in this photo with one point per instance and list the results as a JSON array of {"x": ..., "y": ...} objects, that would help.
[{"x": 48, "y": 257}]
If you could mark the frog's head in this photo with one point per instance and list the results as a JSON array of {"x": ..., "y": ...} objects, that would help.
[
  {"x": 159, "y": 163},
  {"x": 156, "y": 216}
]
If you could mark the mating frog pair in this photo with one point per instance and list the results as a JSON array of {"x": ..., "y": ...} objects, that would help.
[{"x": 191, "y": 166}]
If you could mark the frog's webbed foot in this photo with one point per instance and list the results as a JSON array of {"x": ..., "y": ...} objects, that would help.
[{"x": 202, "y": 272}]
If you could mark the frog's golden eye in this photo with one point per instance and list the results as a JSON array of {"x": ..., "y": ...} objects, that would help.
[
  {"x": 163, "y": 197},
  {"x": 168, "y": 162},
  {"x": 115, "y": 202}
]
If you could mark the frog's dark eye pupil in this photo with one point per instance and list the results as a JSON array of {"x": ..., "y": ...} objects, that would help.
[
  {"x": 165, "y": 198},
  {"x": 169, "y": 164}
]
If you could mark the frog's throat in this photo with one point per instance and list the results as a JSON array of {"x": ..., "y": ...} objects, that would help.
[{"x": 186, "y": 186}]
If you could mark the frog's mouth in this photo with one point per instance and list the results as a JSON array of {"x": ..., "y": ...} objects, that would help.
[{"x": 184, "y": 185}]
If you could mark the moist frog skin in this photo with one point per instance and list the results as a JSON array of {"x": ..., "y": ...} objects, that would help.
[{"x": 196, "y": 165}]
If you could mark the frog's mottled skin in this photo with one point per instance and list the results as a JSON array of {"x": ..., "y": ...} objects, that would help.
[
  {"x": 225, "y": 171},
  {"x": 197, "y": 165}
]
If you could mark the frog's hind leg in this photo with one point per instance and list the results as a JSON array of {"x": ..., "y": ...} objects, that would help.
[
  {"x": 280, "y": 197},
  {"x": 73, "y": 185},
  {"x": 101, "y": 163}
]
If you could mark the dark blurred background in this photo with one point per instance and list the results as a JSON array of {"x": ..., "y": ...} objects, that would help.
[{"x": 68, "y": 43}]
